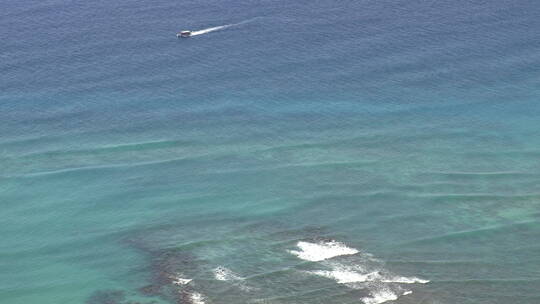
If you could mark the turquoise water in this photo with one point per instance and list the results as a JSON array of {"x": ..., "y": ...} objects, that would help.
[{"x": 318, "y": 152}]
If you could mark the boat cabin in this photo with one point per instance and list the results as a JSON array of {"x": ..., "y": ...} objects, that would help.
[{"x": 184, "y": 34}]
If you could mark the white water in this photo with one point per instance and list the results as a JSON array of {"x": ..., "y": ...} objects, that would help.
[
  {"x": 365, "y": 273},
  {"x": 321, "y": 251},
  {"x": 178, "y": 280},
  {"x": 197, "y": 298},
  {"x": 221, "y": 27},
  {"x": 224, "y": 274},
  {"x": 210, "y": 29},
  {"x": 344, "y": 276},
  {"x": 355, "y": 274},
  {"x": 405, "y": 280},
  {"x": 380, "y": 296}
]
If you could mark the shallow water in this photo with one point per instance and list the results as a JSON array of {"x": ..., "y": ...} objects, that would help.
[{"x": 313, "y": 152}]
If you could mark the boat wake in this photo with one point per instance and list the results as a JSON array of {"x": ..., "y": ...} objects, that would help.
[
  {"x": 221, "y": 27},
  {"x": 210, "y": 29}
]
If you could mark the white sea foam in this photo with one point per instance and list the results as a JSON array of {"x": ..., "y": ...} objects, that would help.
[
  {"x": 344, "y": 276},
  {"x": 178, "y": 280},
  {"x": 197, "y": 298},
  {"x": 322, "y": 251},
  {"x": 368, "y": 272},
  {"x": 404, "y": 280},
  {"x": 380, "y": 296},
  {"x": 224, "y": 274}
]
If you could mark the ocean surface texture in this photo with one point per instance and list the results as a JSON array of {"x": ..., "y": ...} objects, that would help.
[{"x": 290, "y": 152}]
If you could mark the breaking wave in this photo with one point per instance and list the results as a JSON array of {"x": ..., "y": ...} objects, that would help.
[
  {"x": 345, "y": 275},
  {"x": 322, "y": 251},
  {"x": 369, "y": 274},
  {"x": 380, "y": 296}
]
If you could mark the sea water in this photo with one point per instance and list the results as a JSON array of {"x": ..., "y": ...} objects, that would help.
[{"x": 291, "y": 152}]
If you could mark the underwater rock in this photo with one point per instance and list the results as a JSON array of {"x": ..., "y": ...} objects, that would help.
[
  {"x": 150, "y": 290},
  {"x": 106, "y": 297},
  {"x": 112, "y": 297},
  {"x": 168, "y": 264}
]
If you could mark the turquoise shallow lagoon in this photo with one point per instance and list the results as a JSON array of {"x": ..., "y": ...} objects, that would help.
[{"x": 317, "y": 152}]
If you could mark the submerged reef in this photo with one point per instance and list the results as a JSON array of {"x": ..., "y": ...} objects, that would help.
[{"x": 112, "y": 297}]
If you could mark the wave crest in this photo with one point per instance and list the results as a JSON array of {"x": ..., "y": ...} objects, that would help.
[
  {"x": 365, "y": 273},
  {"x": 316, "y": 252}
]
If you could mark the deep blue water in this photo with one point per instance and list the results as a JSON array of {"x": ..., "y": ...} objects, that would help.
[{"x": 310, "y": 152}]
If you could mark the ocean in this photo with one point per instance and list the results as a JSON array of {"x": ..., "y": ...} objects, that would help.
[{"x": 327, "y": 152}]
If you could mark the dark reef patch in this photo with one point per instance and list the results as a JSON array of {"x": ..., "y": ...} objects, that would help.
[
  {"x": 106, "y": 297},
  {"x": 150, "y": 290},
  {"x": 165, "y": 267},
  {"x": 111, "y": 297},
  {"x": 167, "y": 264}
]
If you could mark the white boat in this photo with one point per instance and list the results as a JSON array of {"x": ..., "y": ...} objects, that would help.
[{"x": 183, "y": 34}]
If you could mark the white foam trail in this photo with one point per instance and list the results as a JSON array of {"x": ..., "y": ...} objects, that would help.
[
  {"x": 224, "y": 274},
  {"x": 380, "y": 296},
  {"x": 407, "y": 292},
  {"x": 197, "y": 298},
  {"x": 210, "y": 29},
  {"x": 221, "y": 27},
  {"x": 321, "y": 251}
]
